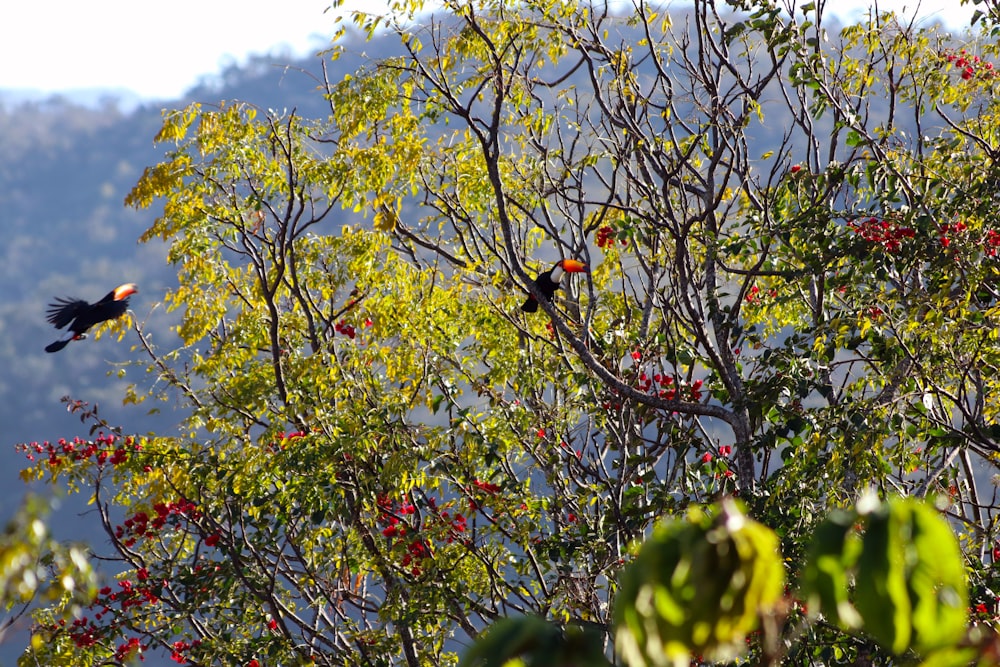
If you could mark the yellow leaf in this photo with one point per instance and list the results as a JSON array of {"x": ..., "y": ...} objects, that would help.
[{"x": 386, "y": 219}]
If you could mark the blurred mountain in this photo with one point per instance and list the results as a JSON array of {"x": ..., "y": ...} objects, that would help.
[{"x": 93, "y": 98}]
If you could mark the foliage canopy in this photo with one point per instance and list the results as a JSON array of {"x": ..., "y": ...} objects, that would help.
[{"x": 792, "y": 297}]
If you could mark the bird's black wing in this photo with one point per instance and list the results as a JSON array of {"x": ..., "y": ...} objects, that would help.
[
  {"x": 546, "y": 286},
  {"x": 63, "y": 311},
  {"x": 103, "y": 310}
]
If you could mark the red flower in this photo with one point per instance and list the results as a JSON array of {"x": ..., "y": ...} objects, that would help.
[
  {"x": 212, "y": 540},
  {"x": 488, "y": 487},
  {"x": 696, "y": 390},
  {"x": 342, "y": 327},
  {"x": 605, "y": 237},
  {"x": 177, "y": 656},
  {"x": 706, "y": 457},
  {"x": 129, "y": 649}
]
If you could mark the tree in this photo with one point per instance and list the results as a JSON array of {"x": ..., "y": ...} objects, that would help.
[
  {"x": 791, "y": 299},
  {"x": 34, "y": 566}
]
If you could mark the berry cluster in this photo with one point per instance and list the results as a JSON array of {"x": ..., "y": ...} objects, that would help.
[
  {"x": 129, "y": 650},
  {"x": 487, "y": 487},
  {"x": 990, "y": 241},
  {"x": 412, "y": 532},
  {"x": 662, "y": 386},
  {"x": 666, "y": 388},
  {"x": 345, "y": 329},
  {"x": 724, "y": 452},
  {"x": 87, "y": 632},
  {"x": 720, "y": 468},
  {"x": 985, "y": 612},
  {"x": 756, "y": 295},
  {"x": 971, "y": 66},
  {"x": 103, "y": 449},
  {"x": 138, "y": 594},
  {"x": 951, "y": 231},
  {"x": 606, "y": 237},
  {"x": 179, "y": 647},
  {"x": 84, "y": 632},
  {"x": 886, "y": 233},
  {"x": 284, "y": 439},
  {"x": 140, "y": 525}
]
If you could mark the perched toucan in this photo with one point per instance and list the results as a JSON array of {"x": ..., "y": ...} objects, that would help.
[
  {"x": 80, "y": 315},
  {"x": 548, "y": 282}
]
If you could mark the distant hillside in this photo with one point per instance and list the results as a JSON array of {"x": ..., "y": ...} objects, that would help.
[
  {"x": 67, "y": 170},
  {"x": 92, "y": 98}
]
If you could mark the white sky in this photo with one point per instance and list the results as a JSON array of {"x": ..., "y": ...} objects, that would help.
[{"x": 159, "y": 49}]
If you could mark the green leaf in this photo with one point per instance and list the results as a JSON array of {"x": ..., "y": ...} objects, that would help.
[
  {"x": 937, "y": 580},
  {"x": 882, "y": 597},
  {"x": 536, "y": 642},
  {"x": 697, "y": 587},
  {"x": 911, "y": 580},
  {"x": 826, "y": 577}
]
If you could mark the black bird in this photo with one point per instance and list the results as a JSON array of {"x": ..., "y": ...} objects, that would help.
[
  {"x": 548, "y": 282},
  {"x": 80, "y": 315}
]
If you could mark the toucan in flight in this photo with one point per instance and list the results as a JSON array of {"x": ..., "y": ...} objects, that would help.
[
  {"x": 548, "y": 282},
  {"x": 80, "y": 315}
]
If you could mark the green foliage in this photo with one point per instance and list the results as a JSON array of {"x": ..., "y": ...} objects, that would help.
[
  {"x": 34, "y": 566},
  {"x": 696, "y": 588},
  {"x": 380, "y": 454},
  {"x": 911, "y": 586},
  {"x": 909, "y": 582},
  {"x": 539, "y": 642}
]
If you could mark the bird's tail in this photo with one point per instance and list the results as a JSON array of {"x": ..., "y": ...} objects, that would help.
[
  {"x": 61, "y": 343},
  {"x": 58, "y": 345},
  {"x": 530, "y": 306}
]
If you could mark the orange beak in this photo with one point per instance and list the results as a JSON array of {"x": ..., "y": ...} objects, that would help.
[
  {"x": 124, "y": 291},
  {"x": 573, "y": 266}
]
